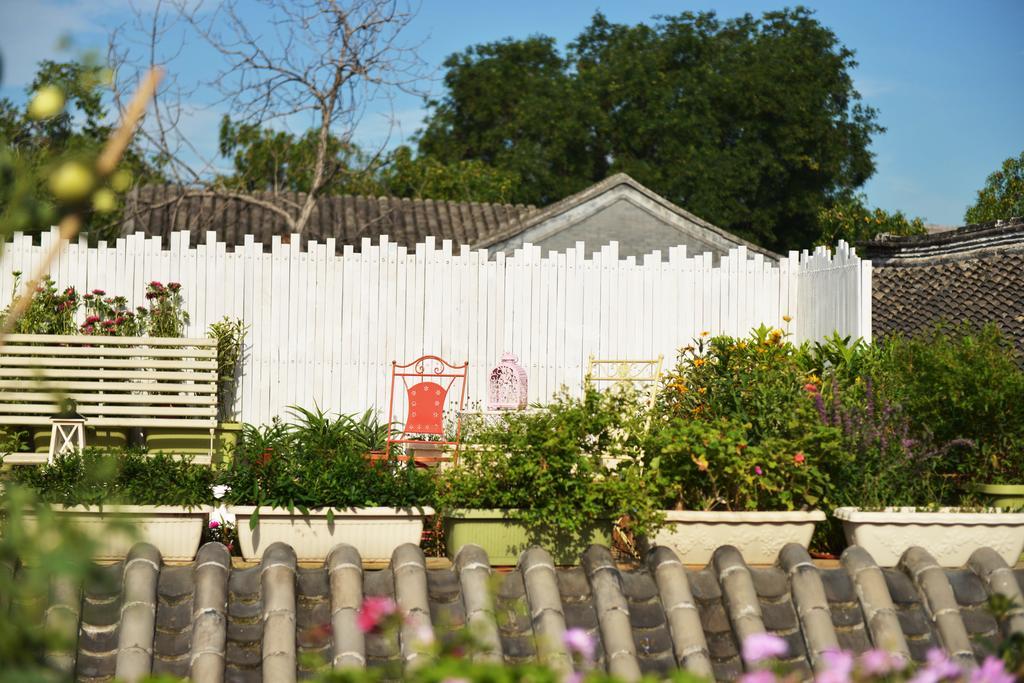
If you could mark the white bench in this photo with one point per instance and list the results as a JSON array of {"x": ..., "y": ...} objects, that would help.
[{"x": 116, "y": 382}]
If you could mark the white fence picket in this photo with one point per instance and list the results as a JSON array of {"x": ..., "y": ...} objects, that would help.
[{"x": 324, "y": 328}]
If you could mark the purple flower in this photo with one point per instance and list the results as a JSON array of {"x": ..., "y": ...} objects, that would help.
[
  {"x": 763, "y": 646},
  {"x": 992, "y": 670},
  {"x": 578, "y": 641},
  {"x": 838, "y": 667}
]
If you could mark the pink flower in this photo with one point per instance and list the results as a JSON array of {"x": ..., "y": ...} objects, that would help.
[
  {"x": 992, "y": 670},
  {"x": 880, "y": 663},
  {"x": 938, "y": 667},
  {"x": 838, "y": 667},
  {"x": 758, "y": 471},
  {"x": 799, "y": 458},
  {"x": 214, "y": 524},
  {"x": 763, "y": 646},
  {"x": 374, "y": 611},
  {"x": 98, "y": 292},
  {"x": 757, "y": 677},
  {"x": 92, "y": 319},
  {"x": 578, "y": 641},
  {"x": 174, "y": 286}
]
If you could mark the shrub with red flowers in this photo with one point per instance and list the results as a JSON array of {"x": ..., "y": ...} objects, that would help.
[
  {"x": 167, "y": 314},
  {"x": 110, "y": 316},
  {"x": 52, "y": 310}
]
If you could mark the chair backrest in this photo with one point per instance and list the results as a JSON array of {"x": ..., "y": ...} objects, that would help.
[
  {"x": 643, "y": 375},
  {"x": 427, "y": 384}
]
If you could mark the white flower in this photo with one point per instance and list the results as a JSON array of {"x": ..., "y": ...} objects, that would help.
[{"x": 220, "y": 490}]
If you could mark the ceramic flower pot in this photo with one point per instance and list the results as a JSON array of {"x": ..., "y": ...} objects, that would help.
[
  {"x": 97, "y": 437},
  {"x": 375, "y": 532},
  {"x": 759, "y": 536},
  {"x": 504, "y": 538},
  {"x": 949, "y": 534},
  {"x": 193, "y": 443},
  {"x": 173, "y": 529},
  {"x": 1010, "y": 496}
]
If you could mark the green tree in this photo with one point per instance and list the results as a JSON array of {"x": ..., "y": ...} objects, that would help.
[
  {"x": 405, "y": 175},
  {"x": 852, "y": 220},
  {"x": 1003, "y": 194},
  {"x": 752, "y": 123},
  {"x": 37, "y": 145}
]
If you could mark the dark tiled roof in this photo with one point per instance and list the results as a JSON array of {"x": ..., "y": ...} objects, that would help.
[
  {"x": 973, "y": 274},
  {"x": 161, "y": 210},
  {"x": 212, "y": 621}
]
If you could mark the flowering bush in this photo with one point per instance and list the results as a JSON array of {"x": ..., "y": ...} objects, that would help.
[
  {"x": 564, "y": 468},
  {"x": 735, "y": 429},
  {"x": 52, "y": 310},
  {"x": 167, "y": 314},
  {"x": 110, "y": 316}
]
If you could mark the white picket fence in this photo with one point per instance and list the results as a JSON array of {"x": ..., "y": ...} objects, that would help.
[{"x": 325, "y": 328}]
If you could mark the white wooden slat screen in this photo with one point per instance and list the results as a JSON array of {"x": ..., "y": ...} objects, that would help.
[{"x": 324, "y": 328}]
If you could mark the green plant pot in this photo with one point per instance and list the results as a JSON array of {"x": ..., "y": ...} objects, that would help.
[
  {"x": 1003, "y": 495},
  {"x": 96, "y": 437},
  {"x": 193, "y": 443},
  {"x": 228, "y": 434},
  {"x": 504, "y": 538}
]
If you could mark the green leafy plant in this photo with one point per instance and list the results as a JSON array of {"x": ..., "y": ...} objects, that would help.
[
  {"x": 110, "y": 316},
  {"x": 167, "y": 314},
  {"x": 230, "y": 336},
  {"x": 561, "y": 469},
  {"x": 52, "y": 311},
  {"x": 130, "y": 476},
  {"x": 320, "y": 461}
]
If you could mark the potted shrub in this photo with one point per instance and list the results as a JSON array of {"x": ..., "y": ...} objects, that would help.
[
  {"x": 540, "y": 478},
  {"x": 738, "y": 451},
  {"x": 230, "y": 336},
  {"x": 156, "y": 498},
  {"x": 310, "y": 485},
  {"x": 937, "y": 426}
]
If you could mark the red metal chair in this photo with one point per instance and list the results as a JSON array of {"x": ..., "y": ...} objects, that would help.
[{"x": 428, "y": 383}]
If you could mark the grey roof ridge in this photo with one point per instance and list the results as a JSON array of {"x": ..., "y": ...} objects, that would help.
[{"x": 599, "y": 188}]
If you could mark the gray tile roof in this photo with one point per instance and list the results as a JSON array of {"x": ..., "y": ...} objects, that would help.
[
  {"x": 973, "y": 274},
  {"x": 163, "y": 209},
  {"x": 211, "y": 621}
]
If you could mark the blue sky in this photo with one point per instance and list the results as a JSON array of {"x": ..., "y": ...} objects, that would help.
[{"x": 947, "y": 77}]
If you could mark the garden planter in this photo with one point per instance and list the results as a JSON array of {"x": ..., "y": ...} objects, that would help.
[
  {"x": 950, "y": 535},
  {"x": 173, "y": 529},
  {"x": 374, "y": 532},
  {"x": 95, "y": 437},
  {"x": 227, "y": 437},
  {"x": 504, "y": 538},
  {"x": 759, "y": 536},
  {"x": 181, "y": 442},
  {"x": 1009, "y": 496}
]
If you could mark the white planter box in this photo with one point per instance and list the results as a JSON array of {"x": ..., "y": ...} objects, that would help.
[
  {"x": 948, "y": 534},
  {"x": 175, "y": 531},
  {"x": 695, "y": 534},
  {"x": 374, "y": 532}
]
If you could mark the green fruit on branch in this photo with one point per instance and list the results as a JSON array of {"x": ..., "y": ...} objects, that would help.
[
  {"x": 47, "y": 103},
  {"x": 72, "y": 181}
]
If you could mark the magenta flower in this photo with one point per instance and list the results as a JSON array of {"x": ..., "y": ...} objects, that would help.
[
  {"x": 757, "y": 677},
  {"x": 578, "y": 641},
  {"x": 938, "y": 667},
  {"x": 214, "y": 524},
  {"x": 758, "y": 471},
  {"x": 762, "y": 646},
  {"x": 374, "y": 611},
  {"x": 98, "y": 292},
  {"x": 992, "y": 670},
  {"x": 92, "y": 319},
  {"x": 839, "y": 667},
  {"x": 880, "y": 663}
]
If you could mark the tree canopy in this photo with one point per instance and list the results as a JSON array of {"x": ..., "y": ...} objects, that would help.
[
  {"x": 1003, "y": 194},
  {"x": 751, "y": 123}
]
